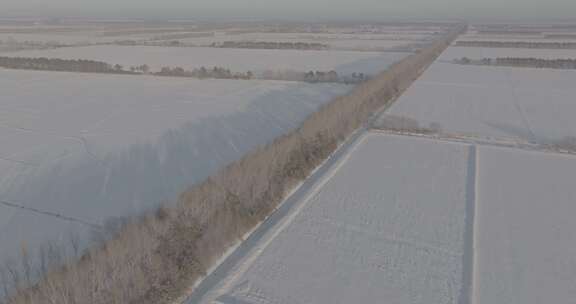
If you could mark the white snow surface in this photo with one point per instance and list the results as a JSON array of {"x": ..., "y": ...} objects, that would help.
[
  {"x": 237, "y": 60},
  {"x": 526, "y": 235},
  {"x": 92, "y": 146},
  {"x": 521, "y": 103},
  {"x": 386, "y": 224}
]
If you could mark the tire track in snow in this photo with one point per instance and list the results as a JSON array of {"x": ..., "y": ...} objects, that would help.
[
  {"x": 519, "y": 109},
  {"x": 468, "y": 257},
  {"x": 52, "y": 214}
]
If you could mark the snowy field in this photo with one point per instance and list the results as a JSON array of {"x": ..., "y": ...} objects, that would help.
[
  {"x": 93, "y": 146},
  {"x": 457, "y": 52},
  {"x": 522, "y": 103},
  {"x": 387, "y": 223},
  {"x": 238, "y": 60},
  {"x": 526, "y": 239}
]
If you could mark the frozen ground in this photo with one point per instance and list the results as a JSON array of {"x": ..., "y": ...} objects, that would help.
[
  {"x": 238, "y": 60},
  {"x": 92, "y": 146},
  {"x": 530, "y": 104},
  {"x": 526, "y": 236},
  {"x": 386, "y": 223}
]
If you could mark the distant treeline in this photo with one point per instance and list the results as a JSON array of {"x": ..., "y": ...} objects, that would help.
[
  {"x": 55, "y": 64},
  {"x": 90, "y": 66},
  {"x": 315, "y": 76},
  {"x": 565, "y": 64},
  {"x": 215, "y": 72},
  {"x": 518, "y": 44},
  {"x": 270, "y": 45},
  {"x": 222, "y": 73},
  {"x": 560, "y": 36},
  {"x": 509, "y": 32}
]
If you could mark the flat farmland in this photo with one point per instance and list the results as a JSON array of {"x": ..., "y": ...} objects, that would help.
[
  {"x": 237, "y": 60},
  {"x": 521, "y": 103}
]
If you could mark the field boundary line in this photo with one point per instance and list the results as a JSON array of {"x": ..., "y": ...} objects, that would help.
[
  {"x": 507, "y": 143},
  {"x": 469, "y": 253}
]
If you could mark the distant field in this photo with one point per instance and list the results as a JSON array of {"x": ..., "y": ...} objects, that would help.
[
  {"x": 532, "y": 104},
  {"x": 387, "y": 223},
  {"x": 95, "y": 146},
  {"x": 238, "y": 60}
]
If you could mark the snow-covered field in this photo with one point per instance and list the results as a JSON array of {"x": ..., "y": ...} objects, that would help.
[
  {"x": 92, "y": 146},
  {"x": 386, "y": 224},
  {"x": 531, "y": 104},
  {"x": 238, "y": 60},
  {"x": 526, "y": 233}
]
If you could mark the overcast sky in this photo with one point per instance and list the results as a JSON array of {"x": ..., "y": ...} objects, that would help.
[{"x": 295, "y": 8}]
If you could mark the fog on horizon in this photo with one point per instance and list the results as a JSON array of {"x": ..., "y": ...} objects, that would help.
[{"x": 513, "y": 9}]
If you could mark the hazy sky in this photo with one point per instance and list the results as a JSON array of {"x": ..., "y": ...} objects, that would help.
[{"x": 290, "y": 8}]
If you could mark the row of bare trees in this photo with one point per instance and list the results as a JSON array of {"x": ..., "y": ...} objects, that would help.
[
  {"x": 564, "y": 64},
  {"x": 203, "y": 72},
  {"x": 518, "y": 44},
  {"x": 270, "y": 45},
  {"x": 56, "y": 64},
  {"x": 91, "y": 66},
  {"x": 156, "y": 257}
]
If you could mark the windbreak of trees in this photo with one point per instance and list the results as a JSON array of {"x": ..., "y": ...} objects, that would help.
[
  {"x": 157, "y": 257},
  {"x": 270, "y": 45},
  {"x": 315, "y": 76},
  {"x": 398, "y": 123},
  {"x": 560, "y": 36},
  {"x": 563, "y": 64},
  {"x": 90, "y": 66},
  {"x": 518, "y": 44},
  {"x": 55, "y": 64},
  {"x": 11, "y": 45},
  {"x": 203, "y": 72},
  {"x": 510, "y": 32}
]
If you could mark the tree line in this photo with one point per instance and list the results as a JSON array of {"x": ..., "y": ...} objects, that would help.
[
  {"x": 563, "y": 64},
  {"x": 270, "y": 45},
  {"x": 518, "y": 44},
  {"x": 203, "y": 72},
  {"x": 55, "y": 64},
  {"x": 91, "y": 66}
]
